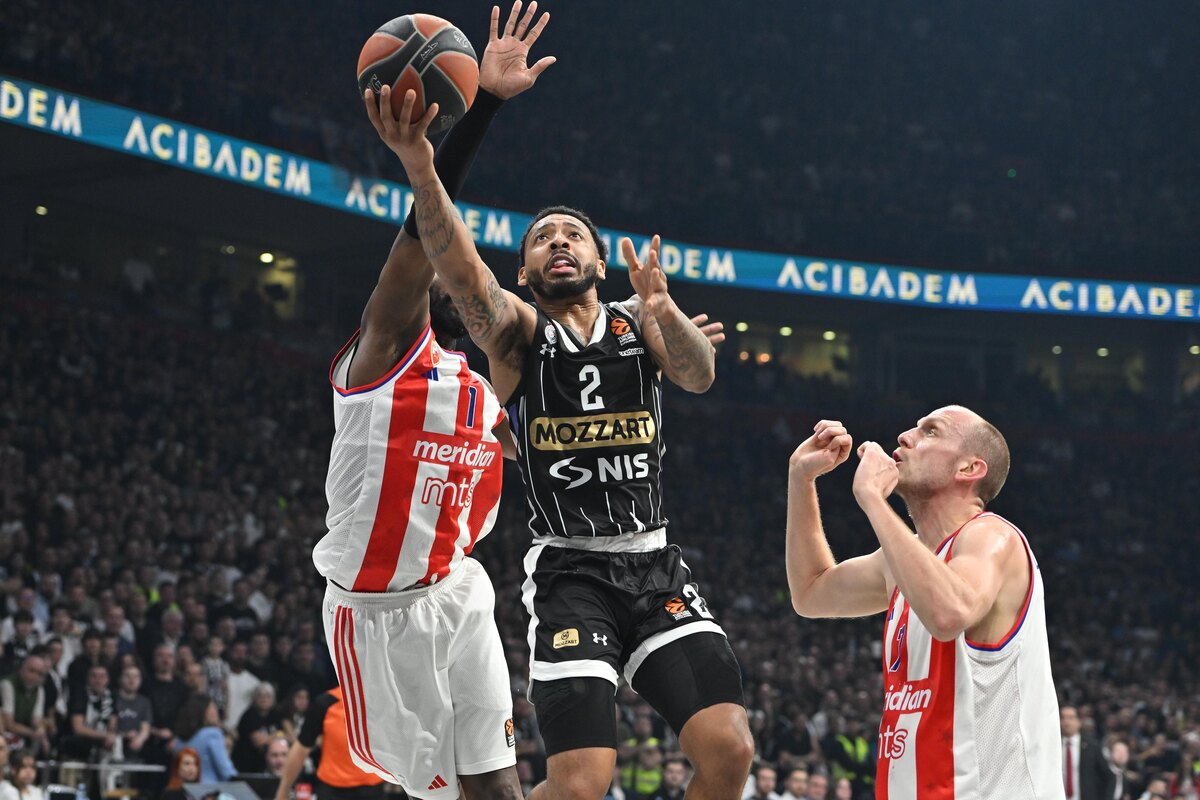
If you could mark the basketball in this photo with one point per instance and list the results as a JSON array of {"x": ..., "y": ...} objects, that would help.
[{"x": 427, "y": 54}]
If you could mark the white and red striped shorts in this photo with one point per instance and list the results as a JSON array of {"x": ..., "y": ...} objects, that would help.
[{"x": 426, "y": 686}]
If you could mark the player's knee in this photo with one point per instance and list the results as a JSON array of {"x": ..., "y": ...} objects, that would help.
[
  {"x": 582, "y": 785},
  {"x": 721, "y": 746}
]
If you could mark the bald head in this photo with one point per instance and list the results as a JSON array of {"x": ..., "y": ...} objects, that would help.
[{"x": 982, "y": 440}]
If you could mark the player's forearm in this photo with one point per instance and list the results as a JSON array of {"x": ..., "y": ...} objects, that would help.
[
  {"x": 932, "y": 589},
  {"x": 806, "y": 551},
  {"x": 691, "y": 358},
  {"x": 447, "y": 242}
]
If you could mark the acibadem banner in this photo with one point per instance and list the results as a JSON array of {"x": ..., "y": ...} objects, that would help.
[{"x": 188, "y": 147}]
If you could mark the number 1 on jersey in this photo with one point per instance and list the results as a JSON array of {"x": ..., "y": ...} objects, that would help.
[{"x": 587, "y": 399}]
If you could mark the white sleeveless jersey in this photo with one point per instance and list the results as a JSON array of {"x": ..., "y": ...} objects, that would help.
[
  {"x": 414, "y": 472},
  {"x": 964, "y": 720}
]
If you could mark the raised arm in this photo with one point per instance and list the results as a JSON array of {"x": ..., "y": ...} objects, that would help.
[
  {"x": 820, "y": 586},
  {"x": 949, "y": 597},
  {"x": 399, "y": 308},
  {"x": 498, "y": 322},
  {"x": 682, "y": 351}
]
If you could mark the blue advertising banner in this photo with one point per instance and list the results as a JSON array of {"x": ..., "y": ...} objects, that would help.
[{"x": 269, "y": 169}]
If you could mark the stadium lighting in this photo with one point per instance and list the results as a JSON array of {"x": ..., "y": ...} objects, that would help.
[
  {"x": 228, "y": 249},
  {"x": 829, "y": 336},
  {"x": 1057, "y": 349},
  {"x": 785, "y": 331},
  {"x": 266, "y": 258},
  {"x": 743, "y": 356},
  {"x": 1012, "y": 173},
  {"x": 1194, "y": 349},
  {"x": 1102, "y": 352},
  {"x": 764, "y": 358},
  {"x": 742, "y": 327},
  {"x": 41, "y": 211}
]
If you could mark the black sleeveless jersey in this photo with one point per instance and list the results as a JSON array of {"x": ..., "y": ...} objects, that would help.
[{"x": 587, "y": 420}]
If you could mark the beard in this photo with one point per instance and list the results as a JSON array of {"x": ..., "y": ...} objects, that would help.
[{"x": 561, "y": 290}]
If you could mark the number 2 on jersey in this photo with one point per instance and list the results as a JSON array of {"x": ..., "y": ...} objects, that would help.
[{"x": 587, "y": 398}]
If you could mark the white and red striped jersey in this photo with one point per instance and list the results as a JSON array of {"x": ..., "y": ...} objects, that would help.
[
  {"x": 414, "y": 472},
  {"x": 964, "y": 720}
]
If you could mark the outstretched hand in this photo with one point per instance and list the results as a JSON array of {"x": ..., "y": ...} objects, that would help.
[
  {"x": 405, "y": 137},
  {"x": 648, "y": 279},
  {"x": 504, "y": 70},
  {"x": 713, "y": 331},
  {"x": 828, "y": 447}
]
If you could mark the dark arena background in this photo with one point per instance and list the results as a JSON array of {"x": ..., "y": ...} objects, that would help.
[{"x": 891, "y": 207}]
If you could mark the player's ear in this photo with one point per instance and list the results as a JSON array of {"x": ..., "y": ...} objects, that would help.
[
  {"x": 521, "y": 277},
  {"x": 600, "y": 265},
  {"x": 973, "y": 469}
]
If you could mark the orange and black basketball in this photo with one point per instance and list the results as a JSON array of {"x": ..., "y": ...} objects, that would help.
[{"x": 427, "y": 54}]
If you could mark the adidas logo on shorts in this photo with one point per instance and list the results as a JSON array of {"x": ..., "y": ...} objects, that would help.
[{"x": 438, "y": 783}]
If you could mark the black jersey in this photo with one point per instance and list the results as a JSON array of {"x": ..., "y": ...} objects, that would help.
[{"x": 587, "y": 420}]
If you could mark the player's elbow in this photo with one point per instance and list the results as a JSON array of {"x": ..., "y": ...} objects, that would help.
[
  {"x": 700, "y": 381},
  {"x": 947, "y": 624}
]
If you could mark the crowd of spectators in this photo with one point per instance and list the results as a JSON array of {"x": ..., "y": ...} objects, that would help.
[
  {"x": 1001, "y": 138},
  {"x": 161, "y": 487}
]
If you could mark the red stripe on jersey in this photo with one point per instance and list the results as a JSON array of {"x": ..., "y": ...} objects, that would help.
[
  {"x": 396, "y": 488},
  {"x": 422, "y": 341},
  {"x": 341, "y": 664},
  {"x": 361, "y": 711},
  {"x": 935, "y": 732},
  {"x": 446, "y": 533}
]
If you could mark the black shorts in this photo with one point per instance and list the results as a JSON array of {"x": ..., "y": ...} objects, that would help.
[{"x": 599, "y": 615}]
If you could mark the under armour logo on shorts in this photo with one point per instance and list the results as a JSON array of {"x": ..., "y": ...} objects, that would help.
[{"x": 598, "y": 638}]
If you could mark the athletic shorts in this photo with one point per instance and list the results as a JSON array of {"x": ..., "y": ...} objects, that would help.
[
  {"x": 596, "y": 613},
  {"x": 425, "y": 682}
]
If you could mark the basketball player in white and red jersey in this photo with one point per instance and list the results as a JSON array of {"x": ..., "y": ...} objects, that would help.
[
  {"x": 414, "y": 483},
  {"x": 969, "y": 709}
]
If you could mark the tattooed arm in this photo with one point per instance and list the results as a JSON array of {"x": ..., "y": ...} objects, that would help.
[
  {"x": 681, "y": 349},
  {"x": 498, "y": 321}
]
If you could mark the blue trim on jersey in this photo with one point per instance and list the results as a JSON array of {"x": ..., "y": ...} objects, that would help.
[{"x": 404, "y": 362}]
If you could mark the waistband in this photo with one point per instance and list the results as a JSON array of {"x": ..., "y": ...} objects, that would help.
[
  {"x": 402, "y": 598},
  {"x": 644, "y": 542}
]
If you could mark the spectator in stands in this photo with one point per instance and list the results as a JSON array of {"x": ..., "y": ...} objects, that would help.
[
  {"x": 244, "y": 617},
  {"x": 77, "y": 673},
  {"x": 765, "y": 778},
  {"x": 93, "y": 718},
  {"x": 24, "y": 716},
  {"x": 277, "y": 753},
  {"x": 818, "y": 786},
  {"x": 64, "y": 628},
  {"x": 199, "y": 728},
  {"x": 1086, "y": 775},
  {"x": 241, "y": 683},
  {"x": 21, "y": 638},
  {"x": 216, "y": 673},
  {"x": 167, "y": 695},
  {"x": 674, "y": 780},
  {"x": 22, "y": 778},
  {"x": 134, "y": 714},
  {"x": 294, "y": 709},
  {"x": 185, "y": 768},
  {"x": 843, "y": 789},
  {"x": 795, "y": 785},
  {"x": 258, "y": 724},
  {"x": 257, "y": 658}
]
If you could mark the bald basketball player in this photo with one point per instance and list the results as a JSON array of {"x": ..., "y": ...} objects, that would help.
[{"x": 969, "y": 706}]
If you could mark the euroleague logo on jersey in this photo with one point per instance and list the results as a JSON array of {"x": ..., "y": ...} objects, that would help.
[{"x": 620, "y": 329}]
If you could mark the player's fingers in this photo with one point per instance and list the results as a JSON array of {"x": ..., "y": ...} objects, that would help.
[
  {"x": 406, "y": 109},
  {"x": 513, "y": 16},
  {"x": 494, "y": 25},
  {"x": 655, "y": 246},
  {"x": 523, "y": 25},
  {"x": 541, "y": 66},
  {"x": 424, "y": 122},
  {"x": 372, "y": 109},
  {"x": 862, "y": 448},
  {"x": 713, "y": 338},
  {"x": 537, "y": 29},
  {"x": 629, "y": 254},
  {"x": 842, "y": 444},
  {"x": 699, "y": 319}
]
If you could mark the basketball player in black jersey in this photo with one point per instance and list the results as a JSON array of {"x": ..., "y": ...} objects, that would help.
[{"x": 607, "y": 596}]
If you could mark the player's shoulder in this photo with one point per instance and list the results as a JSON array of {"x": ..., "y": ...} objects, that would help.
[{"x": 986, "y": 533}]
